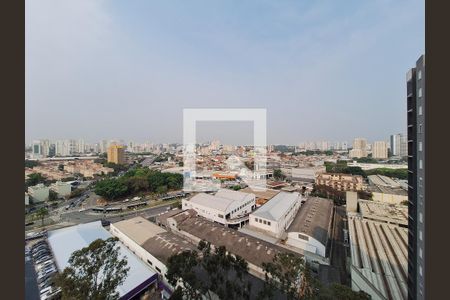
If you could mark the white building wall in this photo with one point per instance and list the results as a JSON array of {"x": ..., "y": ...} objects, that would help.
[
  {"x": 140, "y": 252},
  {"x": 276, "y": 228},
  {"x": 236, "y": 209},
  {"x": 39, "y": 193},
  {"x": 312, "y": 245}
]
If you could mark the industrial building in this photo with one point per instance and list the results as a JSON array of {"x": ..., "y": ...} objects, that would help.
[
  {"x": 276, "y": 215},
  {"x": 311, "y": 227},
  {"x": 378, "y": 235},
  {"x": 195, "y": 228},
  {"x": 382, "y": 212},
  {"x": 151, "y": 243},
  {"x": 385, "y": 189},
  {"x": 63, "y": 242},
  {"x": 378, "y": 258},
  {"x": 226, "y": 207}
]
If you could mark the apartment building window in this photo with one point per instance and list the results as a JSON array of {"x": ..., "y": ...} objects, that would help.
[
  {"x": 420, "y": 93},
  {"x": 419, "y": 75},
  {"x": 420, "y": 235},
  {"x": 420, "y": 252},
  {"x": 264, "y": 222},
  {"x": 268, "y": 223},
  {"x": 420, "y": 271},
  {"x": 256, "y": 219},
  {"x": 420, "y": 164},
  {"x": 158, "y": 269},
  {"x": 420, "y": 128},
  {"x": 149, "y": 262},
  {"x": 420, "y": 146},
  {"x": 421, "y": 217},
  {"x": 420, "y": 110}
]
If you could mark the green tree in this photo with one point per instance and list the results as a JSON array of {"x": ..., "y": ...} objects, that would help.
[
  {"x": 52, "y": 195},
  {"x": 94, "y": 272},
  {"x": 214, "y": 272},
  {"x": 31, "y": 163},
  {"x": 288, "y": 273},
  {"x": 35, "y": 178},
  {"x": 341, "y": 292},
  {"x": 42, "y": 213},
  {"x": 278, "y": 175}
]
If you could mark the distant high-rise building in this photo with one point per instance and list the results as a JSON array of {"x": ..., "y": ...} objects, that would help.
[
  {"x": 103, "y": 145},
  {"x": 359, "y": 148},
  {"x": 403, "y": 146},
  {"x": 37, "y": 149},
  {"x": 116, "y": 154},
  {"x": 379, "y": 150},
  {"x": 399, "y": 145},
  {"x": 415, "y": 80}
]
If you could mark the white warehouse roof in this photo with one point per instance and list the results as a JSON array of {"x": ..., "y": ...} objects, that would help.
[
  {"x": 222, "y": 200},
  {"x": 65, "y": 241},
  {"x": 277, "y": 207}
]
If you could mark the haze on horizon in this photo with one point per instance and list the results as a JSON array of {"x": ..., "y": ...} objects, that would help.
[{"x": 324, "y": 70}]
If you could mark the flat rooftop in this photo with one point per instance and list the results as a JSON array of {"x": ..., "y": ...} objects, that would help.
[
  {"x": 379, "y": 211},
  {"x": 266, "y": 195},
  {"x": 138, "y": 229},
  {"x": 157, "y": 241},
  {"x": 379, "y": 253},
  {"x": 253, "y": 250},
  {"x": 277, "y": 207},
  {"x": 313, "y": 219}
]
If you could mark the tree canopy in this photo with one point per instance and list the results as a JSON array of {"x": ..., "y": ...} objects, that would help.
[
  {"x": 212, "y": 272},
  {"x": 94, "y": 272},
  {"x": 138, "y": 180}
]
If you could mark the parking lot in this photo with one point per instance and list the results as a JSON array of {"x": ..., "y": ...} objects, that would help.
[{"x": 41, "y": 271}]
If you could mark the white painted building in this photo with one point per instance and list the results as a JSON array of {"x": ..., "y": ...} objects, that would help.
[
  {"x": 63, "y": 189},
  {"x": 39, "y": 192},
  {"x": 311, "y": 228},
  {"x": 152, "y": 244},
  {"x": 275, "y": 216},
  {"x": 225, "y": 207}
]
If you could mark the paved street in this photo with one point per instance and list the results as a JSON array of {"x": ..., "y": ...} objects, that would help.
[
  {"x": 339, "y": 252},
  {"x": 77, "y": 217}
]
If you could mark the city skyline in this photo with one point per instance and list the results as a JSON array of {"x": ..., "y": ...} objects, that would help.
[{"x": 133, "y": 68}]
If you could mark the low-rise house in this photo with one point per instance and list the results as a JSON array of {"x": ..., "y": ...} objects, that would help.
[
  {"x": 341, "y": 182},
  {"x": 39, "y": 192}
]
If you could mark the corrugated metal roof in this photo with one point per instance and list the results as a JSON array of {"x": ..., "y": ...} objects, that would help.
[
  {"x": 379, "y": 251},
  {"x": 277, "y": 207},
  {"x": 64, "y": 242}
]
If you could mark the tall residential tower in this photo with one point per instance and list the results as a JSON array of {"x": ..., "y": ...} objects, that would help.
[{"x": 416, "y": 179}]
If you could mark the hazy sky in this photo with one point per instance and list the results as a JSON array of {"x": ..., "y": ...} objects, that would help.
[{"x": 324, "y": 70}]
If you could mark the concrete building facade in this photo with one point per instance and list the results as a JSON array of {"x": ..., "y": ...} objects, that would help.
[
  {"x": 380, "y": 150},
  {"x": 39, "y": 192},
  {"x": 116, "y": 154},
  {"x": 226, "y": 207},
  {"x": 416, "y": 113},
  {"x": 277, "y": 214}
]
